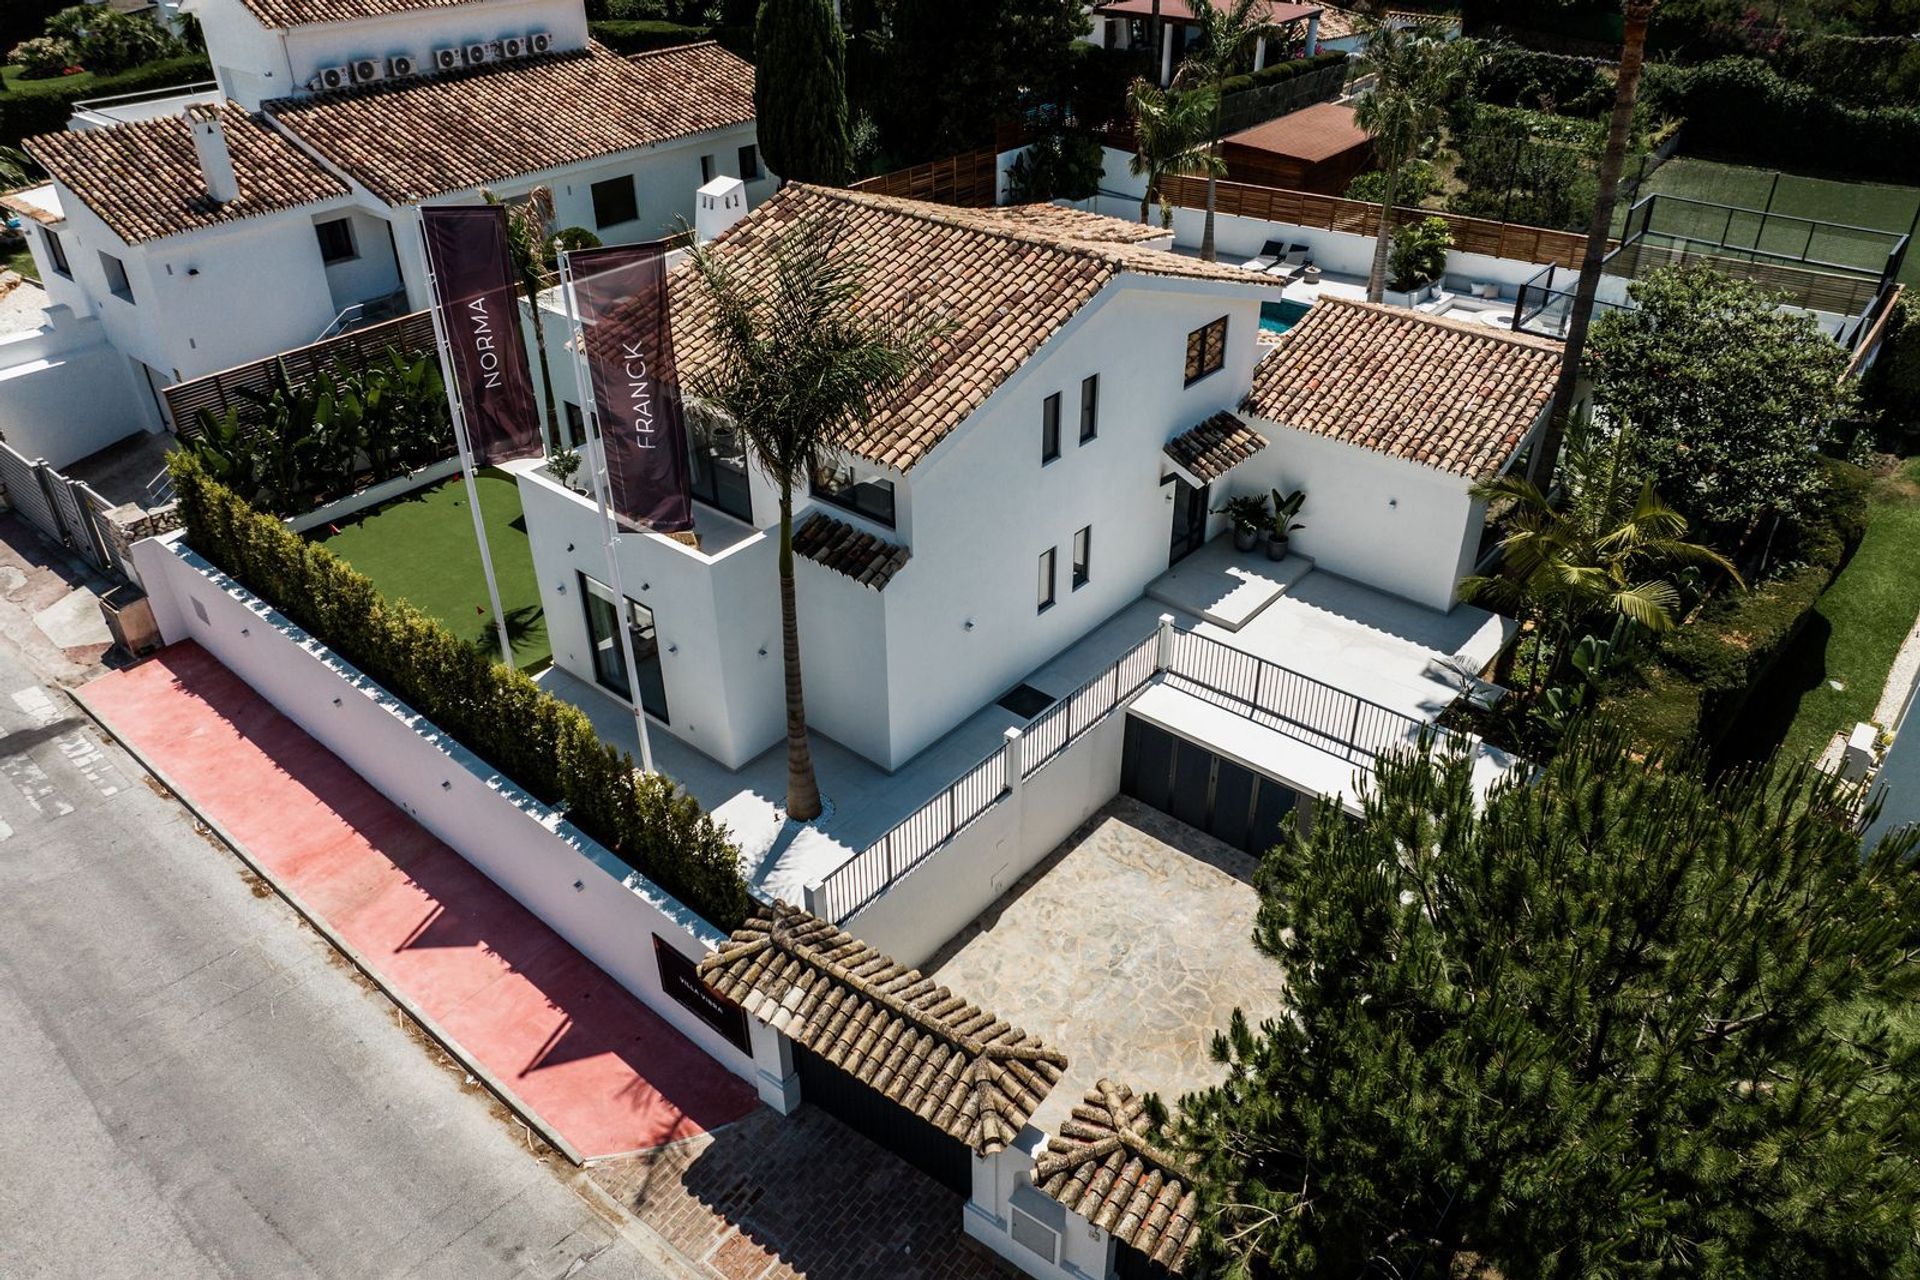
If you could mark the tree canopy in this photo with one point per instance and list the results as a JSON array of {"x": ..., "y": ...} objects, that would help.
[
  {"x": 1620, "y": 1021},
  {"x": 800, "y": 91}
]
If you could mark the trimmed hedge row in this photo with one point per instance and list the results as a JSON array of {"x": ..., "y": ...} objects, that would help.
[
  {"x": 1706, "y": 669},
  {"x": 1280, "y": 71},
  {"x": 1513, "y": 76},
  {"x": 638, "y": 35},
  {"x": 43, "y": 106},
  {"x": 545, "y": 745}
]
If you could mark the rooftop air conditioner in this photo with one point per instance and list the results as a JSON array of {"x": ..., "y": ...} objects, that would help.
[
  {"x": 494, "y": 53},
  {"x": 539, "y": 42},
  {"x": 331, "y": 78},
  {"x": 513, "y": 47},
  {"x": 367, "y": 70},
  {"x": 448, "y": 60},
  {"x": 477, "y": 54},
  {"x": 401, "y": 64}
]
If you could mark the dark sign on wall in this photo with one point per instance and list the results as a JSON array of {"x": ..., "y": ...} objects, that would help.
[{"x": 681, "y": 978}]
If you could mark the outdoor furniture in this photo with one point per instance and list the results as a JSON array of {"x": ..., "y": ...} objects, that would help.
[{"x": 1270, "y": 253}]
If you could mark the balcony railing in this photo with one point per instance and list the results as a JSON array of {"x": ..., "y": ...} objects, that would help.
[{"x": 144, "y": 104}]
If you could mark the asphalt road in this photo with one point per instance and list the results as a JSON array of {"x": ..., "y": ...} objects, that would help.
[{"x": 196, "y": 1085}]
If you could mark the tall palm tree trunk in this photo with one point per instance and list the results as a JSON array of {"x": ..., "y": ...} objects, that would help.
[
  {"x": 1146, "y": 202},
  {"x": 556, "y": 437},
  {"x": 803, "y": 789},
  {"x": 1633, "y": 52},
  {"x": 1207, "y": 250},
  {"x": 1377, "y": 274}
]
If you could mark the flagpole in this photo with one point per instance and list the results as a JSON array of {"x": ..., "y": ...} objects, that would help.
[
  {"x": 609, "y": 532},
  {"x": 450, "y": 378}
]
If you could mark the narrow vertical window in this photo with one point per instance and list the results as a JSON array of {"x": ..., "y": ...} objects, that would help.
[
  {"x": 706, "y": 170},
  {"x": 1089, "y": 408},
  {"x": 1050, "y": 429},
  {"x": 1082, "y": 557},
  {"x": 749, "y": 163},
  {"x": 1047, "y": 558}
]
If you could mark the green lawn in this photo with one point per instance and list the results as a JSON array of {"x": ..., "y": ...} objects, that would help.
[
  {"x": 1858, "y": 204},
  {"x": 421, "y": 548},
  {"x": 1852, "y": 635},
  {"x": 20, "y": 260}
]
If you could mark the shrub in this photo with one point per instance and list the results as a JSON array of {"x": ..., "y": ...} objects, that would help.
[
  {"x": 1890, "y": 388},
  {"x": 1277, "y": 72},
  {"x": 43, "y": 57},
  {"x": 632, "y": 36},
  {"x": 1419, "y": 254},
  {"x": 1416, "y": 182},
  {"x": 37, "y": 107},
  {"x": 1514, "y": 76},
  {"x": 1056, "y": 166},
  {"x": 107, "y": 42},
  {"x": 545, "y": 745}
]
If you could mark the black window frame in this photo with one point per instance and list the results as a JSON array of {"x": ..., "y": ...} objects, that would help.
[
  {"x": 606, "y": 202},
  {"x": 653, "y": 700},
  {"x": 1081, "y": 562},
  {"x": 750, "y": 163},
  {"x": 1050, "y": 429},
  {"x": 56, "y": 252},
  {"x": 718, "y": 482},
  {"x": 345, "y": 228},
  {"x": 870, "y": 497},
  {"x": 113, "y": 267},
  {"x": 1089, "y": 408},
  {"x": 709, "y": 168},
  {"x": 576, "y": 424},
  {"x": 1206, "y": 350},
  {"x": 1048, "y": 580}
]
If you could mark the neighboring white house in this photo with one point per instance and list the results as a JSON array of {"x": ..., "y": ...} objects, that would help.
[{"x": 237, "y": 224}]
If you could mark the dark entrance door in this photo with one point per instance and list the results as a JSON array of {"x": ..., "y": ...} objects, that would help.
[
  {"x": 946, "y": 1160},
  {"x": 1231, "y": 803},
  {"x": 1189, "y": 519}
]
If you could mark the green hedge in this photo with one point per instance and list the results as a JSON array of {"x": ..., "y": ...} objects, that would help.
[
  {"x": 1704, "y": 671},
  {"x": 1513, "y": 76},
  {"x": 43, "y": 106},
  {"x": 1890, "y": 388},
  {"x": 545, "y": 745},
  {"x": 1280, "y": 71},
  {"x": 638, "y": 35}
]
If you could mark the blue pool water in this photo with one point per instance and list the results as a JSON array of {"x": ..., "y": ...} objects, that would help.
[{"x": 1278, "y": 317}]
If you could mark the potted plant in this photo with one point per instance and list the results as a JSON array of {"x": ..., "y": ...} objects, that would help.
[
  {"x": 1282, "y": 524},
  {"x": 1419, "y": 259},
  {"x": 563, "y": 464},
  {"x": 1248, "y": 515}
]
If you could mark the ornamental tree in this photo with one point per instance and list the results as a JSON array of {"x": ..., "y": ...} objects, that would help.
[
  {"x": 800, "y": 91},
  {"x": 1616, "y": 1021},
  {"x": 1729, "y": 395}
]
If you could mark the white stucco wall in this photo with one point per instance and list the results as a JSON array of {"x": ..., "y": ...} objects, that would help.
[
  {"x": 373, "y": 271},
  {"x": 64, "y": 392},
  {"x": 1085, "y": 1251}
]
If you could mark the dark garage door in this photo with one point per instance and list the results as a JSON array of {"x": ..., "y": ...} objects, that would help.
[
  {"x": 946, "y": 1160},
  {"x": 1202, "y": 789}
]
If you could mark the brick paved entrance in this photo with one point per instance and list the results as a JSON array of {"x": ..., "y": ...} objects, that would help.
[{"x": 774, "y": 1197}]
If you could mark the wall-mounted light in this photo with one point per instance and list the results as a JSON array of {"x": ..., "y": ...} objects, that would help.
[
  {"x": 336, "y": 702},
  {"x": 1393, "y": 502},
  {"x": 560, "y": 588},
  {"x": 579, "y": 886},
  {"x": 763, "y": 651},
  {"x": 569, "y": 546},
  {"x": 246, "y": 631},
  {"x": 967, "y": 625},
  {"x": 673, "y": 648},
  {"x": 446, "y": 784}
]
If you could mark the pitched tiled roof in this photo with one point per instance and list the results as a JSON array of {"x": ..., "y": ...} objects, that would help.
[
  {"x": 1318, "y": 132},
  {"x": 411, "y": 139},
  {"x": 278, "y": 15},
  {"x": 1214, "y": 447},
  {"x": 1005, "y": 280},
  {"x": 1102, "y": 1166},
  {"x": 1447, "y": 394},
  {"x": 38, "y": 203},
  {"x": 962, "y": 1070},
  {"x": 144, "y": 179},
  {"x": 868, "y": 560}
]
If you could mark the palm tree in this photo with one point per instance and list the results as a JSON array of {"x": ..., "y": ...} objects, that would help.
[
  {"x": 1414, "y": 69},
  {"x": 1601, "y": 552},
  {"x": 1169, "y": 139},
  {"x": 801, "y": 368},
  {"x": 1225, "y": 37},
  {"x": 1633, "y": 56}
]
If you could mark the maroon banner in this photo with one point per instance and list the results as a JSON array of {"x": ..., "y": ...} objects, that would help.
[
  {"x": 621, "y": 292},
  {"x": 480, "y": 315}
]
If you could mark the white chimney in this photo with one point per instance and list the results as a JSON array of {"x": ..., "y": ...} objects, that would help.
[
  {"x": 718, "y": 205},
  {"x": 216, "y": 162}
]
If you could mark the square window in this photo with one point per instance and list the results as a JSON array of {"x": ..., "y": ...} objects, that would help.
[
  {"x": 706, "y": 170},
  {"x": 1047, "y": 558},
  {"x": 576, "y": 425},
  {"x": 1082, "y": 557},
  {"x": 56, "y": 252},
  {"x": 615, "y": 202},
  {"x": 749, "y": 163},
  {"x": 1206, "y": 350},
  {"x": 1050, "y": 429},
  {"x": 336, "y": 240},
  {"x": 116, "y": 272},
  {"x": 1089, "y": 408}
]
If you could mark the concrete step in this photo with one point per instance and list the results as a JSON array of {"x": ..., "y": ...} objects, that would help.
[{"x": 1226, "y": 587}]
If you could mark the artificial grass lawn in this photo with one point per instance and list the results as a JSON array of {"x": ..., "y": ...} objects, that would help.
[
  {"x": 1854, "y": 632},
  {"x": 420, "y": 548},
  {"x": 20, "y": 260}
]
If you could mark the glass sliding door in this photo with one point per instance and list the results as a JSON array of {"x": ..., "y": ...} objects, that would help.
[{"x": 609, "y": 663}]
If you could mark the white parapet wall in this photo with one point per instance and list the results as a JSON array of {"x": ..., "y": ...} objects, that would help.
[{"x": 603, "y": 908}]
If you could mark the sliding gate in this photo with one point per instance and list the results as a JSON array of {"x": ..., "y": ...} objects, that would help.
[{"x": 65, "y": 510}]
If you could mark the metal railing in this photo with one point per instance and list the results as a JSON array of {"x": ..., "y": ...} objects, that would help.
[
  {"x": 1066, "y": 721},
  {"x": 1314, "y": 712}
]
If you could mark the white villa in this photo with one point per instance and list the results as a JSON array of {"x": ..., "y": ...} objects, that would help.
[{"x": 183, "y": 235}]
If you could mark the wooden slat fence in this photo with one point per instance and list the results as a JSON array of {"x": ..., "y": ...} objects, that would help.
[
  {"x": 410, "y": 334},
  {"x": 969, "y": 180}
]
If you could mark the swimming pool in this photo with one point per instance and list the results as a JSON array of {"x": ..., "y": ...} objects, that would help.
[{"x": 1278, "y": 317}]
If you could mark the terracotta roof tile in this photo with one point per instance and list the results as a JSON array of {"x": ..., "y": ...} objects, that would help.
[
  {"x": 868, "y": 560},
  {"x": 1212, "y": 448},
  {"x": 1103, "y": 1166},
  {"x": 964, "y": 1071},
  {"x": 1318, "y": 132},
  {"x": 1005, "y": 280},
  {"x": 1447, "y": 394},
  {"x": 279, "y": 15},
  {"x": 144, "y": 179},
  {"x": 408, "y": 140}
]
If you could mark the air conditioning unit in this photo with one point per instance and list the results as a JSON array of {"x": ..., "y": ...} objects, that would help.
[
  {"x": 494, "y": 53},
  {"x": 477, "y": 54},
  {"x": 401, "y": 64},
  {"x": 513, "y": 47},
  {"x": 367, "y": 70},
  {"x": 539, "y": 42},
  {"x": 331, "y": 78},
  {"x": 448, "y": 59}
]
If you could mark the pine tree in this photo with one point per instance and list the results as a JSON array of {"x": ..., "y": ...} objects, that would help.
[
  {"x": 800, "y": 91},
  {"x": 1615, "y": 1021}
]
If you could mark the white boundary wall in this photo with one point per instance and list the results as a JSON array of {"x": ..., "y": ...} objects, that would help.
[{"x": 577, "y": 887}]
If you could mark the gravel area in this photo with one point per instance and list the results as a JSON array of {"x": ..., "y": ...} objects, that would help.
[{"x": 20, "y": 306}]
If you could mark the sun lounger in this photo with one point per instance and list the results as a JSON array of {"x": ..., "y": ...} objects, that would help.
[{"x": 1270, "y": 253}]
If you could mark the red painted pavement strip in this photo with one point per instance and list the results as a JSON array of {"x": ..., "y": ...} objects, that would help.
[{"x": 576, "y": 1049}]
